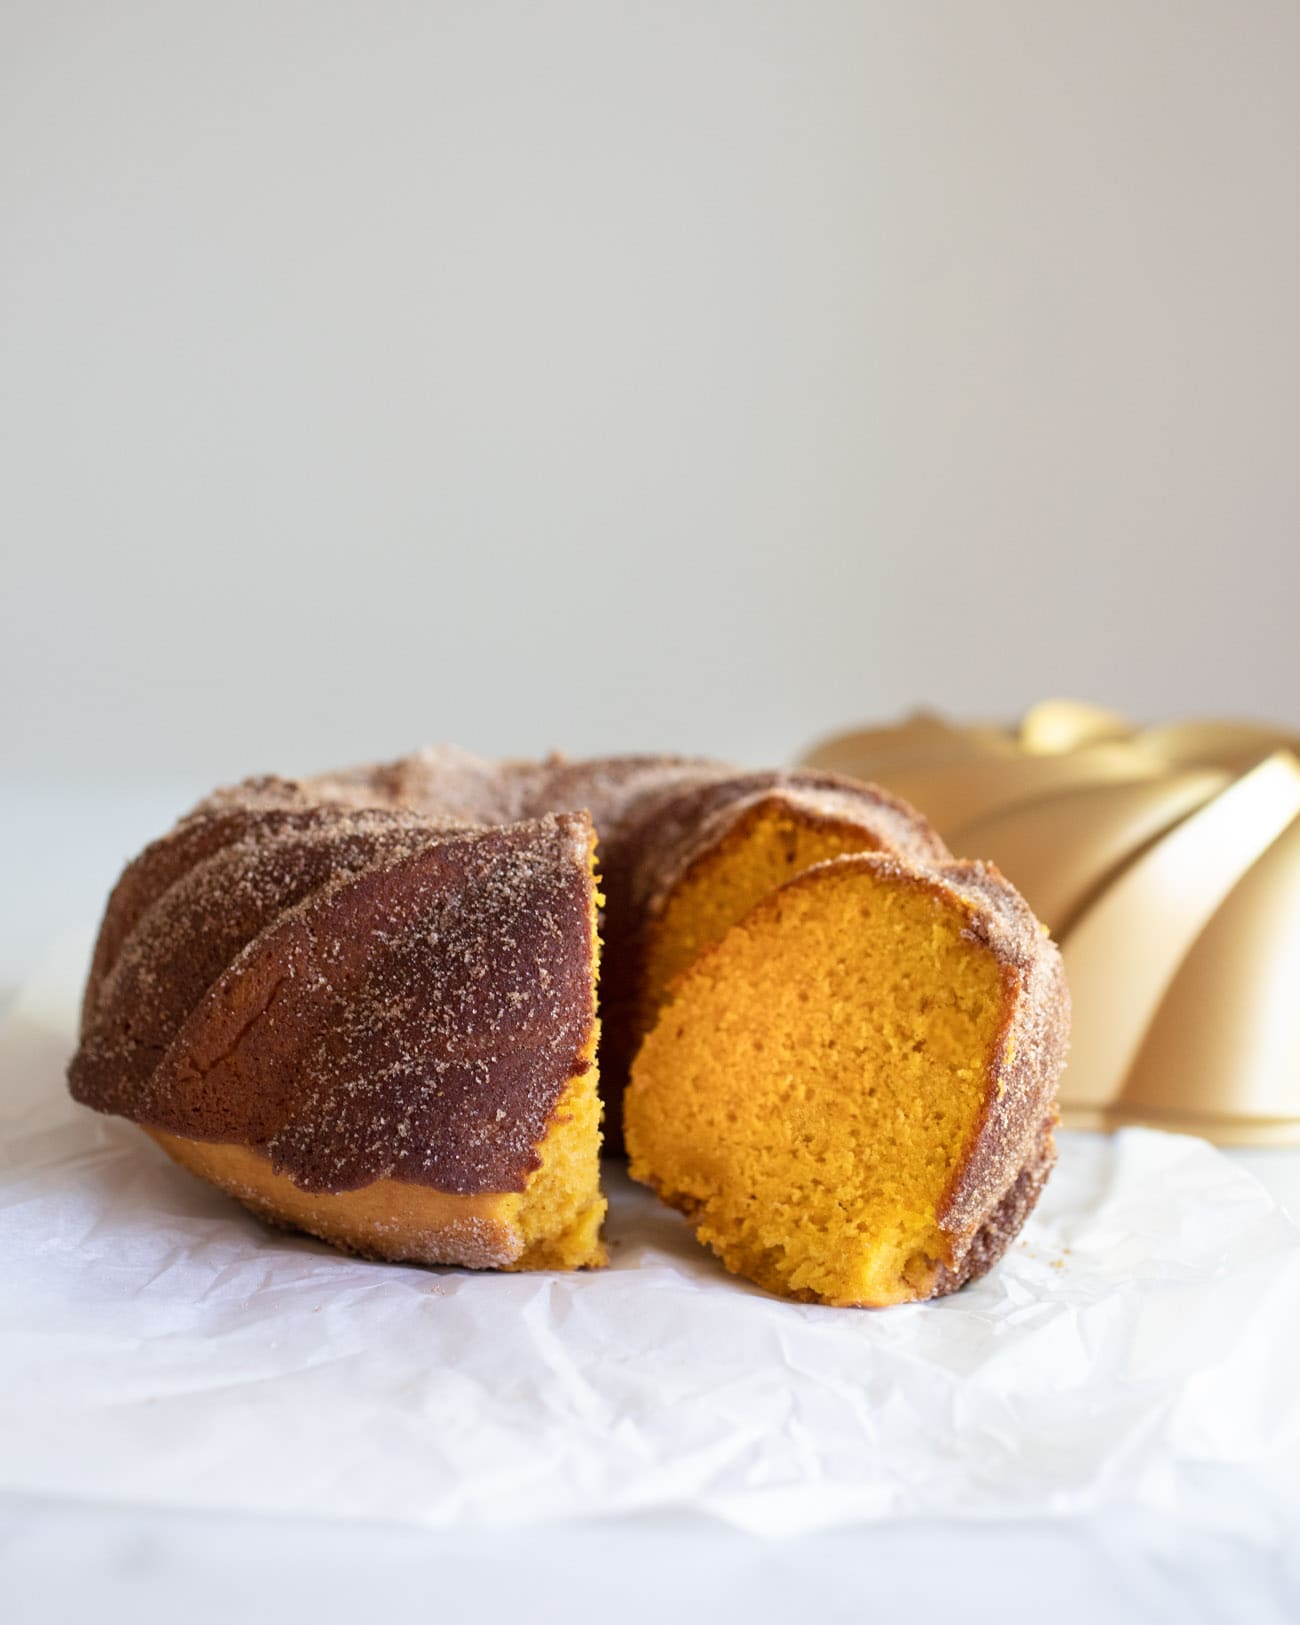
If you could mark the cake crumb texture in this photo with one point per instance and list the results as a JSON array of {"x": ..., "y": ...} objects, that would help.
[{"x": 833, "y": 1094}]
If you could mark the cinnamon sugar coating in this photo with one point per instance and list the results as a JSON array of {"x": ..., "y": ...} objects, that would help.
[
  {"x": 353, "y": 993},
  {"x": 1013, "y": 1150}
]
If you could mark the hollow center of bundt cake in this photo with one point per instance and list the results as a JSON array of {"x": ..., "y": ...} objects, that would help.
[
  {"x": 811, "y": 1088},
  {"x": 768, "y": 845}
]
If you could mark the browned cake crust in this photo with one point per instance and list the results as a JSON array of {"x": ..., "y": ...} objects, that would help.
[
  {"x": 352, "y": 994},
  {"x": 1013, "y": 1149},
  {"x": 1001, "y": 1174}
]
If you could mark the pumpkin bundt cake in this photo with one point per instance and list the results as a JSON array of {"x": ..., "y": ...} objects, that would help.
[
  {"x": 376, "y": 1034},
  {"x": 851, "y": 1096},
  {"x": 365, "y": 1004}
]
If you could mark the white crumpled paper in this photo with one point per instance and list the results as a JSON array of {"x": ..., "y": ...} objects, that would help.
[{"x": 159, "y": 1346}]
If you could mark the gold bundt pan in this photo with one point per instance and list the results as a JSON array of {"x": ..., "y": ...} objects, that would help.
[{"x": 1166, "y": 863}]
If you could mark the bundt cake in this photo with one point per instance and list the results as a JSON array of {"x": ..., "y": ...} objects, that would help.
[
  {"x": 370, "y": 1031},
  {"x": 365, "y": 1004}
]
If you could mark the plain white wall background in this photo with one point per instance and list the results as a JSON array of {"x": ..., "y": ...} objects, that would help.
[{"x": 690, "y": 375}]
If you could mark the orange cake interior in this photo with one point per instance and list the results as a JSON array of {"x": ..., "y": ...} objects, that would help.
[
  {"x": 767, "y": 845},
  {"x": 811, "y": 1088}
]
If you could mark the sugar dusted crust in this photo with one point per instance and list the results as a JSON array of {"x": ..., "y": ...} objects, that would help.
[
  {"x": 1013, "y": 1151},
  {"x": 358, "y": 998}
]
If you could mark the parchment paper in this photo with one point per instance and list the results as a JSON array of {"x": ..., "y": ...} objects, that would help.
[{"x": 159, "y": 1346}]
